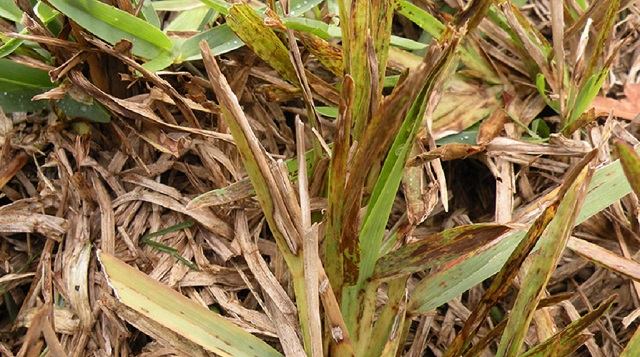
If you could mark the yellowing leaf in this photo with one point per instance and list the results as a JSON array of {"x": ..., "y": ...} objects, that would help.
[{"x": 178, "y": 313}]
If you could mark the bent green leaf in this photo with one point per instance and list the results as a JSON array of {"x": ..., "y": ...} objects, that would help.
[{"x": 112, "y": 25}]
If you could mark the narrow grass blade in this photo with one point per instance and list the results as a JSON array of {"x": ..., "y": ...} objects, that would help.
[
  {"x": 429, "y": 77},
  {"x": 191, "y": 20},
  {"x": 425, "y": 20},
  {"x": 168, "y": 230},
  {"x": 502, "y": 282},
  {"x": 44, "y": 12},
  {"x": 381, "y": 20},
  {"x": 607, "y": 186},
  {"x": 608, "y": 21},
  {"x": 357, "y": 63},
  {"x": 544, "y": 262},
  {"x": 388, "y": 181},
  {"x": 470, "y": 55},
  {"x": 170, "y": 250},
  {"x": 484, "y": 342},
  {"x": 173, "y": 310},
  {"x": 218, "y": 5},
  {"x": 334, "y": 260},
  {"x": 437, "y": 249},
  {"x": 560, "y": 343},
  {"x": 112, "y": 25},
  {"x": 386, "y": 336},
  {"x": 630, "y": 164},
  {"x": 149, "y": 14},
  {"x": 541, "y": 85},
  {"x": 586, "y": 95}
]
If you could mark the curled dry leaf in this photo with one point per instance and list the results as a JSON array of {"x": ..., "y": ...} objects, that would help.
[{"x": 626, "y": 108}]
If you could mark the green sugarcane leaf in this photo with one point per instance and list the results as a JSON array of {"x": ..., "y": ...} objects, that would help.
[
  {"x": 112, "y": 25},
  {"x": 220, "y": 39},
  {"x": 14, "y": 75},
  {"x": 191, "y": 20},
  {"x": 9, "y": 11},
  {"x": 425, "y": 20},
  {"x": 92, "y": 110}
]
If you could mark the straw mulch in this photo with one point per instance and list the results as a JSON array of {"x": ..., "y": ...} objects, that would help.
[{"x": 65, "y": 195}]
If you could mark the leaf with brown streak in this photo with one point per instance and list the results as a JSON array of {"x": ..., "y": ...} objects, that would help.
[
  {"x": 564, "y": 338},
  {"x": 630, "y": 164},
  {"x": 437, "y": 249},
  {"x": 463, "y": 104},
  {"x": 551, "y": 246},
  {"x": 251, "y": 29},
  {"x": 507, "y": 274},
  {"x": 327, "y": 53}
]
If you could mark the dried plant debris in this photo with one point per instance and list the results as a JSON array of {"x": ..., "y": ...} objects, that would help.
[{"x": 370, "y": 178}]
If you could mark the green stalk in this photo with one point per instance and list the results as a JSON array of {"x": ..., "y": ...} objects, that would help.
[
  {"x": 333, "y": 261},
  {"x": 359, "y": 308}
]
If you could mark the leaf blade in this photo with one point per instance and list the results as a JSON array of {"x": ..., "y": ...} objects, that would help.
[
  {"x": 178, "y": 313},
  {"x": 112, "y": 25}
]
